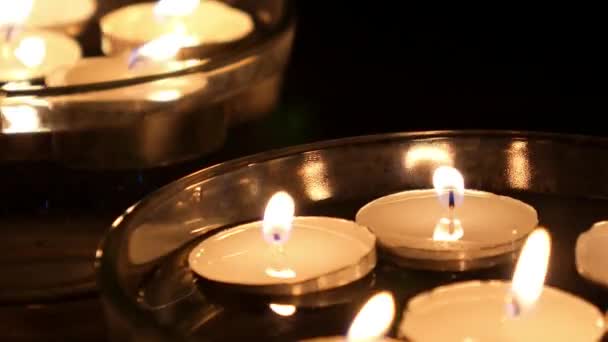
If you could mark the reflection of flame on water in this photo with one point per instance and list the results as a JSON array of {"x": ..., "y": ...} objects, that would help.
[
  {"x": 374, "y": 320},
  {"x": 284, "y": 310},
  {"x": 530, "y": 272},
  {"x": 448, "y": 230},
  {"x": 285, "y": 273}
]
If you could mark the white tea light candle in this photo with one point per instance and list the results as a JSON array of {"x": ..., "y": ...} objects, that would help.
[
  {"x": 592, "y": 254},
  {"x": 523, "y": 310},
  {"x": 282, "y": 250},
  {"x": 208, "y": 23},
  {"x": 449, "y": 226},
  {"x": 151, "y": 59},
  {"x": 35, "y": 54}
]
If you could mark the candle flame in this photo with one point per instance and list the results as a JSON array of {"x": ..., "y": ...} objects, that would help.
[
  {"x": 175, "y": 8},
  {"x": 278, "y": 218},
  {"x": 448, "y": 182},
  {"x": 31, "y": 51},
  {"x": 448, "y": 230},
  {"x": 14, "y": 13},
  {"x": 531, "y": 270},
  {"x": 19, "y": 119},
  {"x": 373, "y": 320},
  {"x": 284, "y": 310}
]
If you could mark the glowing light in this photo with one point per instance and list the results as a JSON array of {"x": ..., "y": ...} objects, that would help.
[
  {"x": 19, "y": 119},
  {"x": 278, "y": 218},
  {"x": 14, "y": 12},
  {"x": 31, "y": 51},
  {"x": 283, "y": 310},
  {"x": 448, "y": 182},
  {"x": 531, "y": 270},
  {"x": 448, "y": 230},
  {"x": 286, "y": 273},
  {"x": 175, "y": 8},
  {"x": 374, "y": 319}
]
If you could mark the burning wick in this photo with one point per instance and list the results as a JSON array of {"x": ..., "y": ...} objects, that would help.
[
  {"x": 530, "y": 272},
  {"x": 448, "y": 180},
  {"x": 276, "y": 229}
]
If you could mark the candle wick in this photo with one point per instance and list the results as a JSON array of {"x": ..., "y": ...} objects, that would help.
[
  {"x": 9, "y": 33},
  {"x": 451, "y": 199},
  {"x": 514, "y": 308}
]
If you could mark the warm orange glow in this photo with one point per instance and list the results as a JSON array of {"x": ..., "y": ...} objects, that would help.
[
  {"x": 531, "y": 269},
  {"x": 278, "y": 218},
  {"x": 31, "y": 51},
  {"x": 314, "y": 175},
  {"x": 448, "y": 230},
  {"x": 283, "y": 309},
  {"x": 14, "y": 13},
  {"x": 374, "y": 320},
  {"x": 175, "y": 8},
  {"x": 519, "y": 170}
]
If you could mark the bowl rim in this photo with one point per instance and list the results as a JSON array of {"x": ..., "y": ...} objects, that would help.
[
  {"x": 108, "y": 283},
  {"x": 234, "y": 57}
]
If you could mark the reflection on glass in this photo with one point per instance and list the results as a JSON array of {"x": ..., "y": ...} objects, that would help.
[
  {"x": 19, "y": 119},
  {"x": 519, "y": 165},
  {"x": 438, "y": 154},
  {"x": 282, "y": 309},
  {"x": 314, "y": 176},
  {"x": 167, "y": 95}
]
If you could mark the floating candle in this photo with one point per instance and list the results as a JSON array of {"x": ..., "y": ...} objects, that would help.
[
  {"x": 448, "y": 228},
  {"x": 66, "y": 16},
  {"x": 152, "y": 58},
  {"x": 206, "y": 24},
  {"x": 523, "y": 310},
  {"x": 31, "y": 54},
  {"x": 307, "y": 253},
  {"x": 371, "y": 323},
  {"x": 592, "y": 254}
]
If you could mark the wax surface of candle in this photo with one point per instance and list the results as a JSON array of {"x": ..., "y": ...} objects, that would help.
[
  {"x": 317, "y": 246},
  {"x": 475, "y": 311},
  {"x": 410, "y": 218},
  {"x": 20, "y": 62},
  {"x": 211, "y": 22},
  {"x": 592, "y": 253},
  {"x": 57, "y": 13}
]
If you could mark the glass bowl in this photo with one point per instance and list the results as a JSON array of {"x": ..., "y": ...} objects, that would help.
[
  {"x": 157, "y": 119},
  {"x": 150, "y": 294}
]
